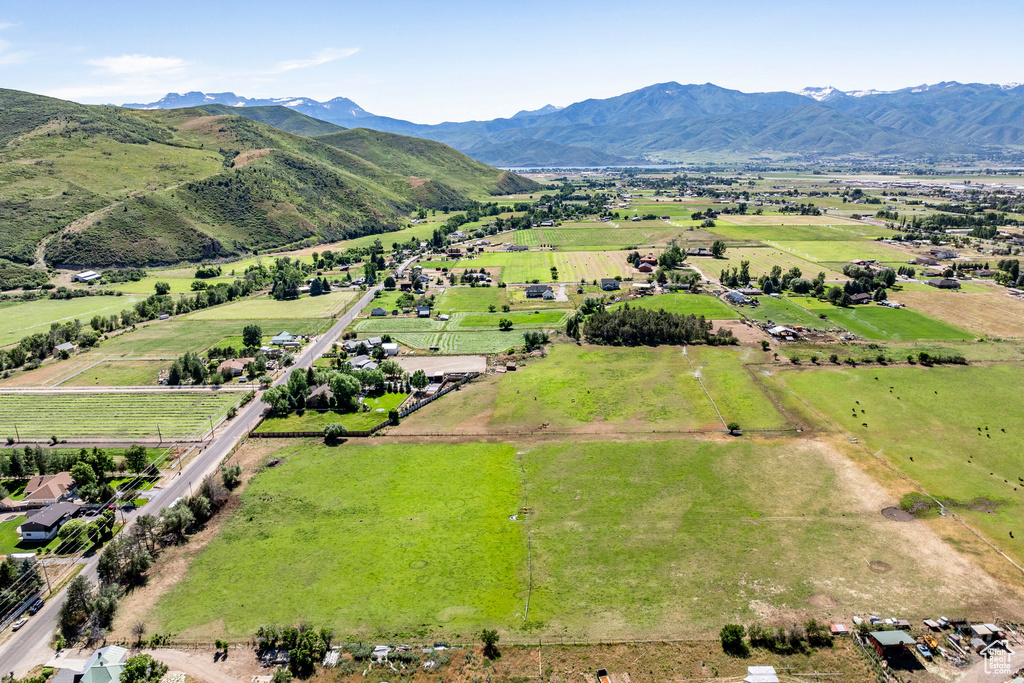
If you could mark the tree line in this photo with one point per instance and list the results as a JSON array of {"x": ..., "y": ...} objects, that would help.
[{"x": 628, "y": 326}]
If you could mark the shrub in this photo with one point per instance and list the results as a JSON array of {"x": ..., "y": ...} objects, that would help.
[
  {"x": 732, "y": 640},
  {"x": 334, "y": 431}
]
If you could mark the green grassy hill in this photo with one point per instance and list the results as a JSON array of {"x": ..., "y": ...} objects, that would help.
[
  {"x": 279, "y": 117},
  {"x": 431, "y": 163},
  {"x": 90, "y": 186}
]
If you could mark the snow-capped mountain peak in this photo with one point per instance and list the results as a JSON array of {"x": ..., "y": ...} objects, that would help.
[{"x": 821, "y": 94}]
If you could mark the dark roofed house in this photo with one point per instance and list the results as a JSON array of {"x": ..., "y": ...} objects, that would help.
[
  {"x": 609, "y": 283},
  {"x": 700, "y": 251},
  {"x": 422, "y": 312},
  {"x": 539, "y": 292},
  {"x": 518, "y": 247},
  {"x": 378, "y": 311},
  {"x": 320, "y": 397},
  {"x": 44, "y": 525},
  {"x": 646, "y": 268},
  {"x": 861, "y": 298},
  {"x": 736, "y": 298},
  {"x": 650, "y": 258},
  {"x": 944, "y": 283}
]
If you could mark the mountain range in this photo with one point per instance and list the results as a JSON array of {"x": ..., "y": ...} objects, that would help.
[{"x": 671, "y": 122}]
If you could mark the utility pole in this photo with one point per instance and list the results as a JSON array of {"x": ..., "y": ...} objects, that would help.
[
  {"x": 17, "y": 434},
  {"x": 160, "y": 434}
]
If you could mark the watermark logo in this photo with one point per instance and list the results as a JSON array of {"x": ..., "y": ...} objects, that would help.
[{"x": 999, "y": 664}]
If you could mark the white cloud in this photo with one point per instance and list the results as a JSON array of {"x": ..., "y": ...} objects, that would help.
[
  {"x": 139, "y": 65},
  {"x": 321, "y": 57}
]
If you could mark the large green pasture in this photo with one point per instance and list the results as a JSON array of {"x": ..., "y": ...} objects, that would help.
[
  {"x": 782, "y": 311},
  {"x": 835, "y": 253},
  {"x": 596, "y": 389},
  {"x": 626, "y": 539},
  {"x": 687, "y": 304},
  {"x": 955, "y": 422},
  {"x": 21, "y": 320},
  {"x": 800, "y": 233},
  {"x": 179, "y": 414},
  {"x": 265, "y": 308},
  {"x": 365, "y": 538},
  {"x": 603, "y": 236},
  {"x": 463, "y": 322},
  {"x": 471, "y": 299},
  {"x": 880, "y": 322},
  {"x": 460, "y": 342},
  {"x": 119, "y": 374}
]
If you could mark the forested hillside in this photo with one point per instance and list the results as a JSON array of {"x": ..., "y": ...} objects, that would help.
[{"x": 97, "y": 186}]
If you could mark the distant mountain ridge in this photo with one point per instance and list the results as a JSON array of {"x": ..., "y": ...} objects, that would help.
[{"x": 670, "y": 121}]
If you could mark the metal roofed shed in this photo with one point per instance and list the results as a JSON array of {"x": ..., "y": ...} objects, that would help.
[
  {"x": 761, "y": 674},
  {"x": 888, "y": 643}
]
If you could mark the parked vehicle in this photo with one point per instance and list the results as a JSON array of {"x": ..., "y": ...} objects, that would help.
[
  {"x": 602, "y": 676},
  {"x": 19, "y": 623},
  {"x": 925, "y": 652},
  {"x": 36, "y": 606}
]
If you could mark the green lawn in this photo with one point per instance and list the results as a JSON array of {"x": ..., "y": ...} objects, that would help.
[
  {"x": 546, "y": 318},
  {"x": 114, "y": 415},
  {"x": 265, "y": 308},
  {"x": 839, "y": 252},
  {"x": 9, "y": 539},
  {"x": 23, "y": 319},
  {"x": 363, "y": 538},
  {"x": 314, "y": 421},
  {"x": 801, "y": 233},
  {"x": 932, "y": 415},
  {"x": 687, "y": 304},
  {"x": 519, "y": 267}
]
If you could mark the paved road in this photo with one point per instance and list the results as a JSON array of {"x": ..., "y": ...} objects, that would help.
[{"x": 31, "y": 645}]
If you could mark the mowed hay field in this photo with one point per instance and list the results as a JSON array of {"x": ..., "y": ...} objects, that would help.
[
  {"x": 19, "y": 320},
  {"x": 801, "y": 233},
  {"x": 605, "y": 236},
  {"x": 933, "y": 415},
  {"x": 882, "y": 323},
  {"x": 364, "y": 538},
  {"x": 989, "y": 313},
  {"x": 179, "y": 414},
  {"x": 119, "y": 374},
  {"x": 762, "y": 259},
  {"x": 265, "y": 308},
  {"x": 605, "y": 390},
  {"x": 835, "y": 254},
  {"x": 517, "y": 267},
  {"x": 627, "y": 540}
]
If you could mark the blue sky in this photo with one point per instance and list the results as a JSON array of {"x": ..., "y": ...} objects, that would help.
[{"x": 435, "y": 61}]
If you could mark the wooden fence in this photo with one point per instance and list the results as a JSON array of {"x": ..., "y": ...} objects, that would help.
[{"x": 427, "y": 401}]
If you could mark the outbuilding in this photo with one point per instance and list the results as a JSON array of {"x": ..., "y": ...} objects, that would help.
[{"x": 890, "y": 643}]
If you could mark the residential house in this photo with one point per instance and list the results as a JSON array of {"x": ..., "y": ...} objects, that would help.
[
  {"x": 944, "y": 283},
  {"x": 539, "y": 292},
  {"x": 390, "y": 348},
  {"x": 44, "y": 524},
  {"x": 104, "y": 666},
  {"x": 699, "y": 251},
  {"x": 42, "y": 490},
  {"x": 66, "y": 346},
  {"x": 647, "y": 268},
  {"x": 378, "y": 311},
  {"x": 942, "y": 253},
  {"x": 517, "y": 247},
  {"x": 235, "y": 366},
  {"x": 925, "y": 261},
  {"x": 360, "y": 362},
  {"x": 609, "y": 284},
  {"x": 282, "y": 339},
  {"x": 454, "y": 253},
  {"x": 861, "y": 298},
  {"x": 422, "y": 312},
  {"x": 374, "y": 342},
  {"x": 650, "y": 258},
  {"x": 86, "y": 276},
  {"x": 405, "y": 287},
  {"x": 320, "y": 397},
  {"x": 736, "y": 298}
]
